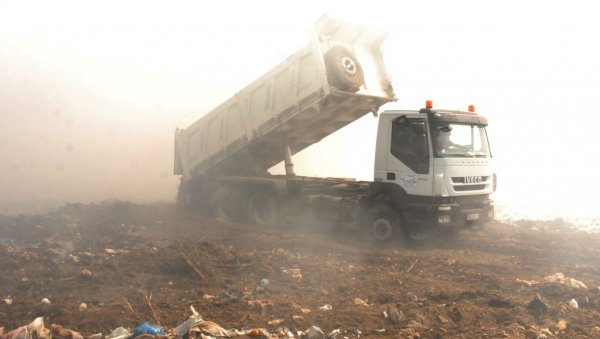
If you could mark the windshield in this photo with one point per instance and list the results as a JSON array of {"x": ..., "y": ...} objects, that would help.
[{"x": 460, "y": 140}]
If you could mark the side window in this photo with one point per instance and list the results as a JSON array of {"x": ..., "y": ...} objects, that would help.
[{"x": 409, "y": 144}]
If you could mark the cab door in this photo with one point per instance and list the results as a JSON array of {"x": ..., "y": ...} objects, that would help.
[{"x": 409, "y": 155}]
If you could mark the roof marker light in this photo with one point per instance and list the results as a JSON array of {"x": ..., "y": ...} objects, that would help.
[
  {"x": 428, "y": 104},
  {"x": 471, "y": 108}
]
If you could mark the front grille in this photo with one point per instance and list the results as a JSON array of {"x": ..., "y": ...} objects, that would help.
[{"x": 469, "y": 188}]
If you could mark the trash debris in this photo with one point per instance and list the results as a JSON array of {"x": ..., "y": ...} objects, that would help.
[
  {"x": 296, "y": 274},
  {"x": 46, "y": 301},
  {"x": 325, "y": 307},
  {"x": 27, "y": 332},
  {"x": 110, "y": 251},
  {"x": 82, "y": 307},
  {"x": 209, "y": 328},
  {"x": 561, "y": 279},
  {"x": 119, "y": 333},
  {"x": 315, "y": 332},
  {"x": 413, "y": 324},
  {"x": 334, "y": 333},
  {"x": 146, "y": 328},
  {"x": 86, "y": 273},
  {"x": 359, "y": 301},
  {"x": 264, "y": 282},
  {"x": 573, "y": 304},
  {"x": 557, "y": 278},
  {"x": 537, "y": 307},
  {"x": 393, "y": 315},
  {"x": 561, "y": 325},
  {"x": 443, "y": 319},
  {"x": 275, "y": 322},
  {"x": 59, "y": 331},
  {"x": 8, "y": 300}
]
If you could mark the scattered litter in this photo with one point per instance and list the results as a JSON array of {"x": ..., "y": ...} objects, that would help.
[
  {"x": 86, "y": 273},
  {"x": 315, "y": 332},
  {"x": 110, "y": 251},
  {"x": 325, "y": 307},
  {"x": 393, "y": 314},
  {"x": 275, "y": 322},
  {"x": 561, "y": 279},
  {"x": 264, "y": 282},
  {"x": 413, "y": 324},
  {"x": 82, "y": 307},
  {"x": 296, "y": 274},
  {"x": 206, "y": 327},
  {"x": 185, "y": 327},
  {"x": 443, "y": 319},
  {"x": 119, "y": 333},
  {"x": 146, "y": 328},
  {"x": 27, "y": 332},
  {"x": 573, "y": 304},
  {"x": 46, "y": 301},
  {"x": 334, "y": 333},
  {"x": 561, "y": 325},
  {"x": 359, "y": 301},
  {"x": 537, "y": 307},
  {"x": 60, "y": 331},
  {"x": 8, "y": 300},
  {"x": 557, "y": 278}
]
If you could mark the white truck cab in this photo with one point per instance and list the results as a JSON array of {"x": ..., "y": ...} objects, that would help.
[{"x": 441, "y": 161}]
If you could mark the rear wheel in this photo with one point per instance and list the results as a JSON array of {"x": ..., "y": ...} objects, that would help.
[
  {"x": 263, "y": 209},
  {"x": 226, "y": 203},
  {"x": 382, "y": 223}
]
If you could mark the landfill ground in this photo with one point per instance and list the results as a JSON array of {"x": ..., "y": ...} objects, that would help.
[{"x": 131, "y": 264}]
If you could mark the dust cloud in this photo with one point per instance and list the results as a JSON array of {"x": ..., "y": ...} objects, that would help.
[{"x": 64, "y": 140}]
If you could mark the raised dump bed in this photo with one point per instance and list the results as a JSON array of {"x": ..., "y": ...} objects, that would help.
[{"x": 334, "y": 80}]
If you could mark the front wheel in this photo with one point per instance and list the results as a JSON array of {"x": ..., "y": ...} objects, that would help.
[{"x": 382, "y": 223}]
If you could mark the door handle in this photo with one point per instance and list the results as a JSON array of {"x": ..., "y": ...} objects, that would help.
[{"x": 391, "y": 176}]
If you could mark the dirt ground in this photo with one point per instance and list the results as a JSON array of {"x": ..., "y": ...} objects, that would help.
[{"x": 132, "y": 264}]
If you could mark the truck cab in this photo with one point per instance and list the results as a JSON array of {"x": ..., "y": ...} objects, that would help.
[{"x": 439, "y": 163}]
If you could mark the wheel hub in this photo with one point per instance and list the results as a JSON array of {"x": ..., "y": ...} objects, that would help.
[
  {"x": 348, "y": 64},
  {"x": 382, "y": 228}
]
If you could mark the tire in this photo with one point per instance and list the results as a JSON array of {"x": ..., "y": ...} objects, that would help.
[
  {"x": 263, "y": 209},
  {"x": 382, "y": 223},
  {"x": 344, "y": 69},
  {"x": 225, "y": 204}
]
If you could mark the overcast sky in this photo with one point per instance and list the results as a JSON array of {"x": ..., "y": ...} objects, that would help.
[{"x": 91, "y": 91}]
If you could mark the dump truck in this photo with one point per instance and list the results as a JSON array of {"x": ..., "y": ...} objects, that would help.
[{"x": 432, "y": 167}]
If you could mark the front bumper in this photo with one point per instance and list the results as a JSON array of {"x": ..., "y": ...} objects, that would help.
[
  {"x": 450, "y": 213},
  {"x": 459, "y": 215}
]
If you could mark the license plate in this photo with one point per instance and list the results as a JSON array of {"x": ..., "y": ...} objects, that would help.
[{"x": 473, "y": 216}]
